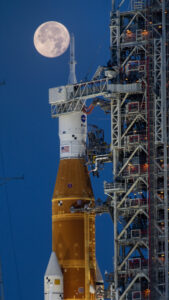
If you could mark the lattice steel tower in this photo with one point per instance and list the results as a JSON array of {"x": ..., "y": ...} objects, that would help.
[{"x": 140, "y": 141}]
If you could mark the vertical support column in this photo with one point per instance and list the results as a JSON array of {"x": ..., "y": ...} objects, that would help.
[
  {"x": 157, "y": 94},
  {"x": 115, "y": 122},
  {"x": 115, "y": 37},
  {"x": 118, "y": 38},
  {"x": 119, "y": 120},
  {"x": 115, "y": 227},
  {"x": 164, "y": 98}
]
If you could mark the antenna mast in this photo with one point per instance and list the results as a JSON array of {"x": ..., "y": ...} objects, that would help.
[{"x": 72, "y": 75}]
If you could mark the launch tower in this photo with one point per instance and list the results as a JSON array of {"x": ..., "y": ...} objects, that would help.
[
  {"x": 133, "y": 87},
  {"x": 139, "y": 144}
]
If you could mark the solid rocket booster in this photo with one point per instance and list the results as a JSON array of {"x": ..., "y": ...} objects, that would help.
[
  {"x": 99, "y": 283},
  {"x": 73, "y": 234},
  {"x": 53, "y": 280}
]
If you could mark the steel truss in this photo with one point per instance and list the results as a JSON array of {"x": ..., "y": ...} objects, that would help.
[{"x": 139, "y": 144}]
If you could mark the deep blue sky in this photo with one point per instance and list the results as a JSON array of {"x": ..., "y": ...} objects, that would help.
[{"x": 29, "y": 142}]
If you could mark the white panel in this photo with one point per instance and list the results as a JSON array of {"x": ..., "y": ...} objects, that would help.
[
  {"x": 72, "y": 133},
  {"x": 57, "y": 94},
  {"x": 125, "y": 88},
  {"x": 53, "y": 287}
]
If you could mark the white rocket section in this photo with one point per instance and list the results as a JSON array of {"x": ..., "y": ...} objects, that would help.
[
  {"x": 73, "y": 133},
  {"x": 72, "y": 126},
  {"x": 53, "y": 280}
]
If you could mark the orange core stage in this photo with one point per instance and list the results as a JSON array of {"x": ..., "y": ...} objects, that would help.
[{"x": 73, "y": 233}]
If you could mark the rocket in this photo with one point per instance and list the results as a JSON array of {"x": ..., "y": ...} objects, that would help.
[{"x": 71, "y": 272}]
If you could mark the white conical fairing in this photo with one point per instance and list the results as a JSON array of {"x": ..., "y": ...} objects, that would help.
[
  {"x": 99, "y": 278},
  {"x": 53, "y": 267},
  {"x": 53, "y": 280}
]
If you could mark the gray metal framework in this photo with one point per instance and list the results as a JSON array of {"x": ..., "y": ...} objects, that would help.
[
  {"x": 139, "y": 144},
  {"x": 134, "y": 88},
  {"x": 71, "y": 98}
]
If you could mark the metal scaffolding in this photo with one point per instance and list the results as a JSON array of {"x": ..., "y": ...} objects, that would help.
[
  {"x": 134, "y": 89},
  {"x": 139, "y": 144}
]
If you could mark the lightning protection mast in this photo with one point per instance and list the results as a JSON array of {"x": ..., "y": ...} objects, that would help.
[{"x": 72, "y": 75}]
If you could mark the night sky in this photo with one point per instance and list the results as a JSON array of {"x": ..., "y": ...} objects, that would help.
[{"x": 29, "y": 143}]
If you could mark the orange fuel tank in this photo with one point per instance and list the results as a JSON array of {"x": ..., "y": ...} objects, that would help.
[{"x": 73, "y": 233}]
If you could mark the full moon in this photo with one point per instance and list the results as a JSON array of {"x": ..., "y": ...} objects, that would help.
[{"x": 51, "y": 39}]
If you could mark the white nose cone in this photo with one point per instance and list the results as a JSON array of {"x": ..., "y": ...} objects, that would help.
[{"x": 53, "y": 280}]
